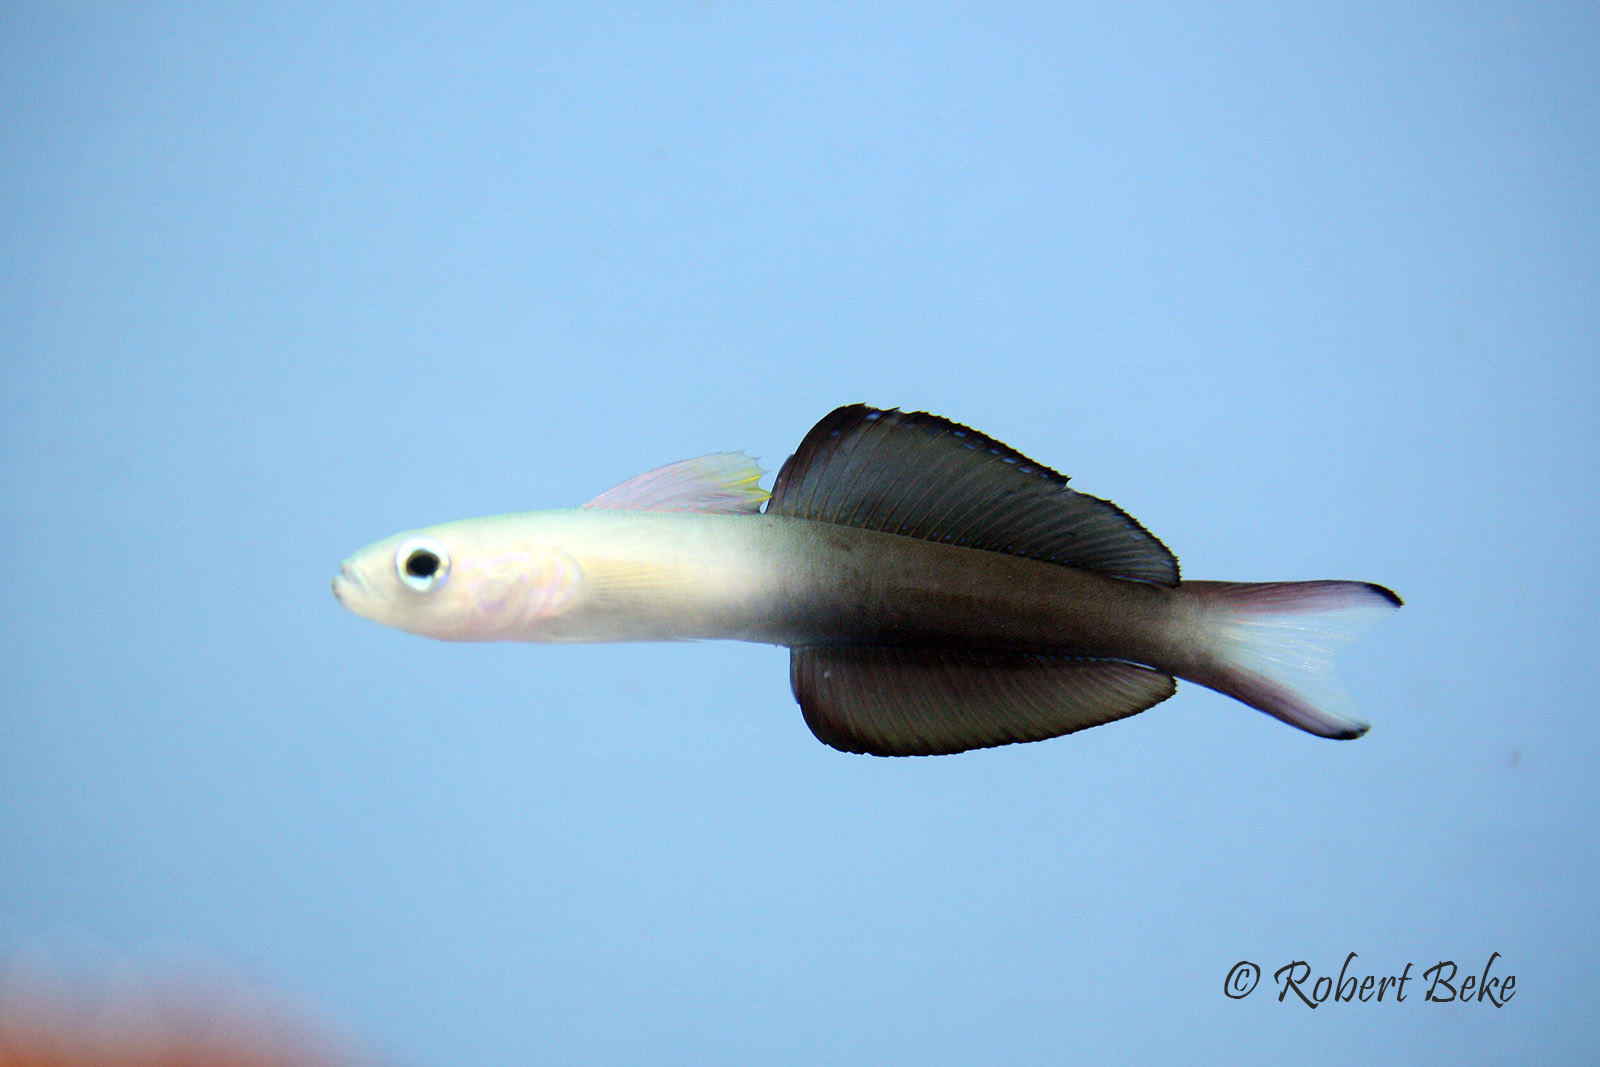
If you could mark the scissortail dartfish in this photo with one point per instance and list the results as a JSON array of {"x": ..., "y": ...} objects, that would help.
[{"x": 937, "y": 590}]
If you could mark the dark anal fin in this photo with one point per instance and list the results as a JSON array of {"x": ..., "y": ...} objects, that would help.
[{"x": 889, "y": 701}]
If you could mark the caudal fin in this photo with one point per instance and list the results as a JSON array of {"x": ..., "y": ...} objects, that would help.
[{"x": 1273, "y": 645}]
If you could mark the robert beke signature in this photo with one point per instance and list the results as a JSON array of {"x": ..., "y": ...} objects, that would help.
[{"x": 1444, "y": 984}]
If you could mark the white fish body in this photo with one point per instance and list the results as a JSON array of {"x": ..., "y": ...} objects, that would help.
[{"x": 575, "y": 575}]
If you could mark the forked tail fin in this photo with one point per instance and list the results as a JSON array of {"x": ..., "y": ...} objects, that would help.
[{"x": 1273, "y": 645}]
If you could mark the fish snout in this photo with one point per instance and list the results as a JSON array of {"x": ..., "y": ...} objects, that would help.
[{"x": 346, "y": 583}]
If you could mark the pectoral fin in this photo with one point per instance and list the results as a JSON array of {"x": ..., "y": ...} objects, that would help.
[{"x": 888, "y": 701}]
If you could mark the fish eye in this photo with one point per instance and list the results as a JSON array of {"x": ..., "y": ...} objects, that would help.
[{"x": 422, "y": 563}]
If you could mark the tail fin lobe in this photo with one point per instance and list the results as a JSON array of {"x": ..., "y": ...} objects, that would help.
[{"x": 1273, "y": 646}]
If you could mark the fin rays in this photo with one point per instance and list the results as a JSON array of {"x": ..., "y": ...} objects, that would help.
[
  {"x": 888, "y": 701},
  {"x": 721, "y": 483},
  {"x": 922, "y": 476},
  {"x": 1274, "y": 646}
]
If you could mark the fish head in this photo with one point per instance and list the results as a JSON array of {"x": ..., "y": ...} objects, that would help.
[{"x": 459, "y": 582}]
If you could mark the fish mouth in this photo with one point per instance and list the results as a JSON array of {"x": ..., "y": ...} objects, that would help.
[{"x": 346, "y": 584}]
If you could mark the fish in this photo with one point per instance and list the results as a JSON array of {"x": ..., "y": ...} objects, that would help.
[{"x": 937, "y": 590}]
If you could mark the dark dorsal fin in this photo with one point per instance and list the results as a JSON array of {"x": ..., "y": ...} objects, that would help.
[
  {"x": 934, "y": 701},
  {"x": 923, "y": 476}
]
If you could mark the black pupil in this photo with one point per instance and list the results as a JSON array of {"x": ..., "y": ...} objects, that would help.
[{"x": 422, "y": 564}]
